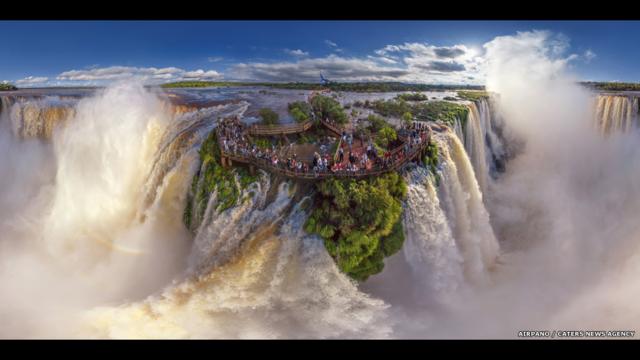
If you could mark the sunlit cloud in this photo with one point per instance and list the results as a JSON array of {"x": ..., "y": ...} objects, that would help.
[
  {"x": 149, "y": 75},
  {"x": 296, "y": 52},
  {"x": 330, "y": 43},
  {"x": 409, "y": 62},
  {"x": 32, "y": 80}
]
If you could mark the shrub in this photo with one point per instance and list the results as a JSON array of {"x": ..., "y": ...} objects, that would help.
[
  {"x": 326, "y": 107},
  {"x": 269, "y": 117},
  {"x": 300, "y": 111},
  {"x": 385, "y": 136}
]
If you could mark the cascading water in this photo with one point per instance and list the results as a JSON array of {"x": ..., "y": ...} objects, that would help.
[
  {"x": 107, "y": 229},
  {"x": 91, "y": 213},
  {"x": 92, "y": 222},
  {"x": 616, "y": 113},
  {"x": 448, "y": 229},
  {"x": 482, "y": 143},
  {"x": 430, "y": 247},
  {"x": 284, "y": 285},
  {"x": 36, "y": 117}
]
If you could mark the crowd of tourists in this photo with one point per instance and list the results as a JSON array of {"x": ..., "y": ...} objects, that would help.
[{"x": 344, "y": 160}]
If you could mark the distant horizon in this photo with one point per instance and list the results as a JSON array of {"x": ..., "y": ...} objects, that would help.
[
  {"x": 258, "y": 83},
  {"x": 95, "y": 53}
]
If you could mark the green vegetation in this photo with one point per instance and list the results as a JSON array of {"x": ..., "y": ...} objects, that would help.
[
  {"x": 359, "y": 221},
  {"x": 372, "y": 86},
  {"x": 213, "y": 177},
  {"x": 431, "y": 160},
  {"x": 300, "y": 110},
  {"x": 376, "y": 123},
  {"x": 327, "y": 107},
  {"x": 473, "y": 95},
  {"x": 188, "y": 84},
  {"x": 362, "y": 130},
  {"x": 412, "y": 97},
  {"x": 7, "y": 87},
  {"x": 262, "y": 143},
  {"x": 352, "y": 87},
  {"x": 407, "y": 118},
  {"x": 308, "y": 137},
  {"x": 385, "y": 136},
  {"x": 445, "y": 111},
  {"x": 394, "y": 108},
  {"x": 269, "y": 117},
  {"x": 612, "y": 86}
]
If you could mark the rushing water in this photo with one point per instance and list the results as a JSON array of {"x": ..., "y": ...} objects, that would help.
[
  {"x": 616, "y": 113},
  {"x": 482, "y": 143},
  {"x": 94, "y": 188}
]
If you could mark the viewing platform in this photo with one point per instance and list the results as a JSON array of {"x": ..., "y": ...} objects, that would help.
[{"x": 408, "y": 150}]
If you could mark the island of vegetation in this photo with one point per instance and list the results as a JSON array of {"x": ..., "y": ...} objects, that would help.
[
  {"x": 7, "y": 87},
  {"x": 358, "y": 219},
  {"x": 473, "y": 95},
  {"x": 445, "y": 111},
  {"x": 612, "y": 86}
]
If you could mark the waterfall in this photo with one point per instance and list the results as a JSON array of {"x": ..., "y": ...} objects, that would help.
[
  {"x": 448, "y": 231},
  {"x": 284, "y": 285},
  {"x": 35, "y": 117},
  {"x": 616, "y": 113},
  {"x": 482, "y": 143},
  {"x": 430, "y": 247},
  {"x": 220, "y": 236},
  {"x": 183, "y": 135},
  {"x": 96, "y": 211}
]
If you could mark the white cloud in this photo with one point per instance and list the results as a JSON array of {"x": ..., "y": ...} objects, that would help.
[
  {"x": 31, "y": 80},
  {"x": 296, "y": 52},
  {"x": 588, "y": 56},
  {"x": 542, "y": 53},
  {"x": 330, "y": 43},
  {"x": 409, "y": 62},
  {"x": 149, "y": 75},
  {"x": 383, "y": 59},
  {"x": 202, "y": 75},
  {"x": 333, "y": 67},
  {"x": 333, "y": 46},
  {"x": 215, "y": 58}
]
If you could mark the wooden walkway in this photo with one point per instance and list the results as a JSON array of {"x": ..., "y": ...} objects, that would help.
[
  {"x": 267, "y": 165},
  {"x": 281, "y": 169},
  {"x": 271, "y": 130}
]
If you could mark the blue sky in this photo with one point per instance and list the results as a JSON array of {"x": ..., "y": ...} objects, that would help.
[{"x": 95, "y": 52}]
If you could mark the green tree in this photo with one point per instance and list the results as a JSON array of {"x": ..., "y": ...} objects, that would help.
[
  {"x": 407, "y": 118},
  {"x": 300, "y": 111},
  {"x": 385, "y": 136},
  {"x": 359, "y": 221},
  {"x": 376, "y": 123},
  {"x": 6, "y": 87},
  {"x": 269, "y": 117},
  {"x": 327, "y": 107}
]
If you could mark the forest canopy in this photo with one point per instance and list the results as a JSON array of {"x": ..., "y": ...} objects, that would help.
[{"x": 359, "y": 221}]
